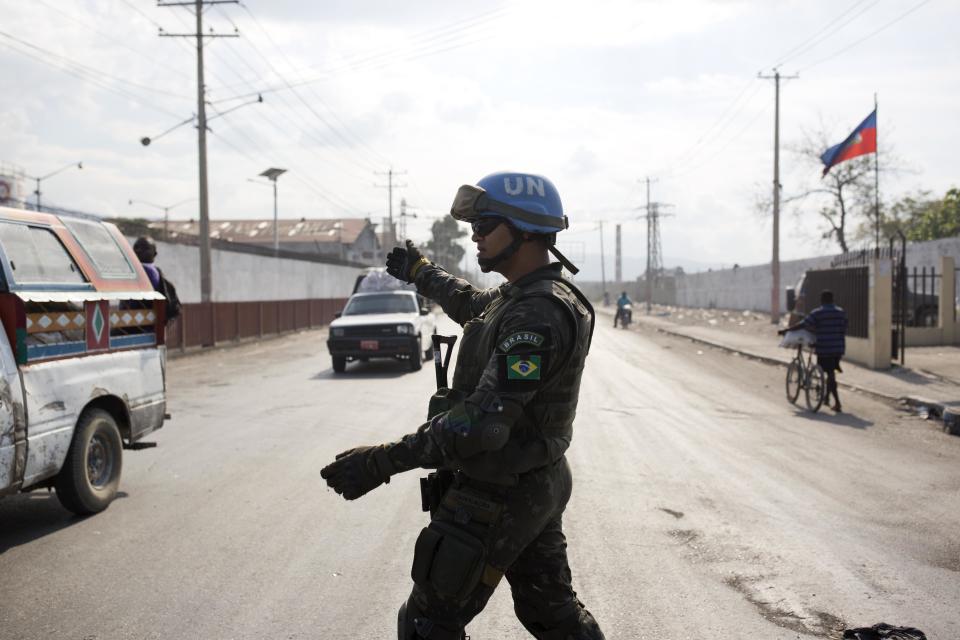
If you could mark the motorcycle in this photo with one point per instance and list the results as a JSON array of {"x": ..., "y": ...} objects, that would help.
[{"x": 625, "y": 315}]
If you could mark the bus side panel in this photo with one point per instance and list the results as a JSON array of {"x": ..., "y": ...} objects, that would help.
[
  {"x": 58, "y": 391},
  {"x": 13, "y": 432}
]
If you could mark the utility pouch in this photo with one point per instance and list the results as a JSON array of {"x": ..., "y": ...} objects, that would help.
[
  {"x": 443, "y": 400},
  {"x": 448, "y": 560},
  {"x": 433, "y": 488}
]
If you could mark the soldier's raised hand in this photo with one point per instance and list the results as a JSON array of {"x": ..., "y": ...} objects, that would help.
[{"x": 403, "y": 263}]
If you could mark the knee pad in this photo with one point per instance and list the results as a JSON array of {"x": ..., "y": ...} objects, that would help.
[{"x": 412, "y": 624}]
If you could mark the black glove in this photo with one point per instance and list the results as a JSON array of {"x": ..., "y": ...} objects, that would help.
[
  {"x": 403, "y": 264},
  {"x": 358, "y": 471},
  {"x": 781, "y": 332}
]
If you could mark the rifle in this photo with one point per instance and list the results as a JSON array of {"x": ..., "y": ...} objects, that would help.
[{"x": 437, "y": 482}]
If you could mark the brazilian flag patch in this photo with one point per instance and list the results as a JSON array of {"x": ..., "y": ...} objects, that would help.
[{"x": 523, "y": 367}]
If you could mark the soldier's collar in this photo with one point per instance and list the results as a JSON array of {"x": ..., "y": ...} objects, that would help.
[{"x": 551, "y": 271}]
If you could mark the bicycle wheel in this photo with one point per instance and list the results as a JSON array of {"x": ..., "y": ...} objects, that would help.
[
  {"x": 816, "y": 387},
  {"x": 793, "y": 382}
]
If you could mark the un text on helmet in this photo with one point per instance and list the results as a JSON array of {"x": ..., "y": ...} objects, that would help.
[{"x": 514, "y": 185}]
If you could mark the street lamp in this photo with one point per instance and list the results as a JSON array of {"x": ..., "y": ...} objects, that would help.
[
  {"x": 272, "y": 174},
  {"x": 166, "y": 211},
  {"x": 78, "y": 165}
]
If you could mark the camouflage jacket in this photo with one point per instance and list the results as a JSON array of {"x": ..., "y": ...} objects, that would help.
[{"x": 519, "y": 363}]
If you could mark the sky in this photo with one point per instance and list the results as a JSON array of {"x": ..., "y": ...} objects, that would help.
[{"x": 596, "y": 96}]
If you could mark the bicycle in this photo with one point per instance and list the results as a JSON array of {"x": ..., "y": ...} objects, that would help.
[{"x": 808, "y": 376}]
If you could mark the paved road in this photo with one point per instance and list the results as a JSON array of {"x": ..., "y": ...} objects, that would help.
[{"x": 704, "y": 506}]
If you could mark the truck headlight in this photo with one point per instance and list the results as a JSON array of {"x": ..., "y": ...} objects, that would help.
[
  {"x": 404, "y": 329},
  {"x": 337, "y": 333}
]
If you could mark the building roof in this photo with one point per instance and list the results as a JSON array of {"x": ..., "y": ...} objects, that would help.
[{"x": 345, "y": 230}]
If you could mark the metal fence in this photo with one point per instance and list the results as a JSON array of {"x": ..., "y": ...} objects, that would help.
[
  {"x": 205, "y": 324},
  {"x": 850, "y": 287}
]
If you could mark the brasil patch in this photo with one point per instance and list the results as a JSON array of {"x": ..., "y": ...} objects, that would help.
[
  {"x": 521, "y": 337},
  {"x": 523, "y": 367}
]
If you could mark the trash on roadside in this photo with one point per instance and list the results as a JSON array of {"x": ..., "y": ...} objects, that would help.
[
  {"x": 699, "y": 352},
  {"x": 884, "y": 631},
  {"x": 712, "y": 321}
]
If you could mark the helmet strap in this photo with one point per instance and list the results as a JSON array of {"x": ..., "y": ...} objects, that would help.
[{"x": 487, "y": 264}]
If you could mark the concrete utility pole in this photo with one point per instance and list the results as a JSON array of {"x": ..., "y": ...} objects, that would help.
[
  {"x": 206, "y": 281},
  {"x": 654, "y": 260},
  {"x": 603, "y": 261},
  {"x": 619, "y": 264},
  {"x": 775, "y": 260},
  {"x": 389, "y": 187}
]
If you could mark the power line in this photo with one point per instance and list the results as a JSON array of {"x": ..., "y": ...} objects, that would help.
[
  {"x": 111, "y": 38},
  {"x": 868, "y": 36},
  {"x": 393, "y": 56},
  {"x": 825, "y": 32},
  {"x": 88, "y": 69},
  {"x": 88, "y": 76},
  {"x": 289, "y": 64}
]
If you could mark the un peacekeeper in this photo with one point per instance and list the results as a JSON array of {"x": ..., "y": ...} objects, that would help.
[{"x": 507, "y": 423}]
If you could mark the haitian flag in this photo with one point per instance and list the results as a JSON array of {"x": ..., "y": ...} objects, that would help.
[{"x": 863, "y": 140}]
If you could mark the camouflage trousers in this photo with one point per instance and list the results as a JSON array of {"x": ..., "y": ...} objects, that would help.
[{"x": 519, "y": 535}]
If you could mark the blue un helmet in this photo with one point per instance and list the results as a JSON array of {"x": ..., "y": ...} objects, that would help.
[{"x": 529, "y": 202}]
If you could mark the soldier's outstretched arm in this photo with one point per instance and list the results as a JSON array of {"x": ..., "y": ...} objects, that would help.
[{"x": 458, "y": 298}]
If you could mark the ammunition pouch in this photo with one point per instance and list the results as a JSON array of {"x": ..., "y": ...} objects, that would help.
[{"x": 448, "y": 561}]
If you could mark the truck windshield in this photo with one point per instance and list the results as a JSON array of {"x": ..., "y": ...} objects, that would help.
[{"x": 386, "y": 303}]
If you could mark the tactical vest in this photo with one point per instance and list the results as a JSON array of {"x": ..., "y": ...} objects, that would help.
[{"x": 553, "y": 408}]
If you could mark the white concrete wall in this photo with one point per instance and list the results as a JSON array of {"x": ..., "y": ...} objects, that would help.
[
  {"x": 749, "y": 287},
  {"x": 742, "y": 288},
  {"x": 240, "y": 277}
]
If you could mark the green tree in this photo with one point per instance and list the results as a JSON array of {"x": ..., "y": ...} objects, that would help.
[
  {"x": 938, "y": 219},
  {"x": 443, "y": 247}
]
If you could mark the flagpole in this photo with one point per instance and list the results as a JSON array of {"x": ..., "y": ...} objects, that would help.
[{"x": 876, "y": 183}]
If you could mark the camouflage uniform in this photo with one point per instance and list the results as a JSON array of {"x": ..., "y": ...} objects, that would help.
[{"x": 520, "y": 361}]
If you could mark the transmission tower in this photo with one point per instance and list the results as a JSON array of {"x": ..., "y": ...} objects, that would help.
[{"x": 654, "y": 250}]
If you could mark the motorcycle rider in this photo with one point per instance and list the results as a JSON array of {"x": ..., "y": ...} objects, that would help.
[
  {"x": 505, "y": 430},
  {"x": 622, "y": 302}
]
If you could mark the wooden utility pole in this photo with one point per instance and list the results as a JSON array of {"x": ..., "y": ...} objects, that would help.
[
  {"x": 206, "y": 280},
  {"x": 775, "y": 260}
]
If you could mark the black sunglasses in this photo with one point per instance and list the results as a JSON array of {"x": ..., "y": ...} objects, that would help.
[{"x": 485, "y": 226}]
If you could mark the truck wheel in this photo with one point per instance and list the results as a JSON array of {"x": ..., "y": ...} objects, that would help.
[
  {"x": 416, "y": 362},
  {"x": 339, "y": 364},
  {"x": 89, "y": 479}
]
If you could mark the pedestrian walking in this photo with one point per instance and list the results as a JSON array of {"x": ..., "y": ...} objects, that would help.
[
  {"x": 828, "y": 322},
  {"x": 506, "y": 423}
]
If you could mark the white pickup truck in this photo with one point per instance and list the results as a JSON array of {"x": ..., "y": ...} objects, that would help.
[
  {"x": 382, "y": 320},
  {"x": 81, "y": 357}
]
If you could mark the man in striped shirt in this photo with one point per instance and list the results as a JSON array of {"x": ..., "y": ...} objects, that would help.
[{"x": 829, "y": 323}]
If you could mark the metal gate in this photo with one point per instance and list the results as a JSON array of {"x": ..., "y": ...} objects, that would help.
[{"x": 850, "y": 287}]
